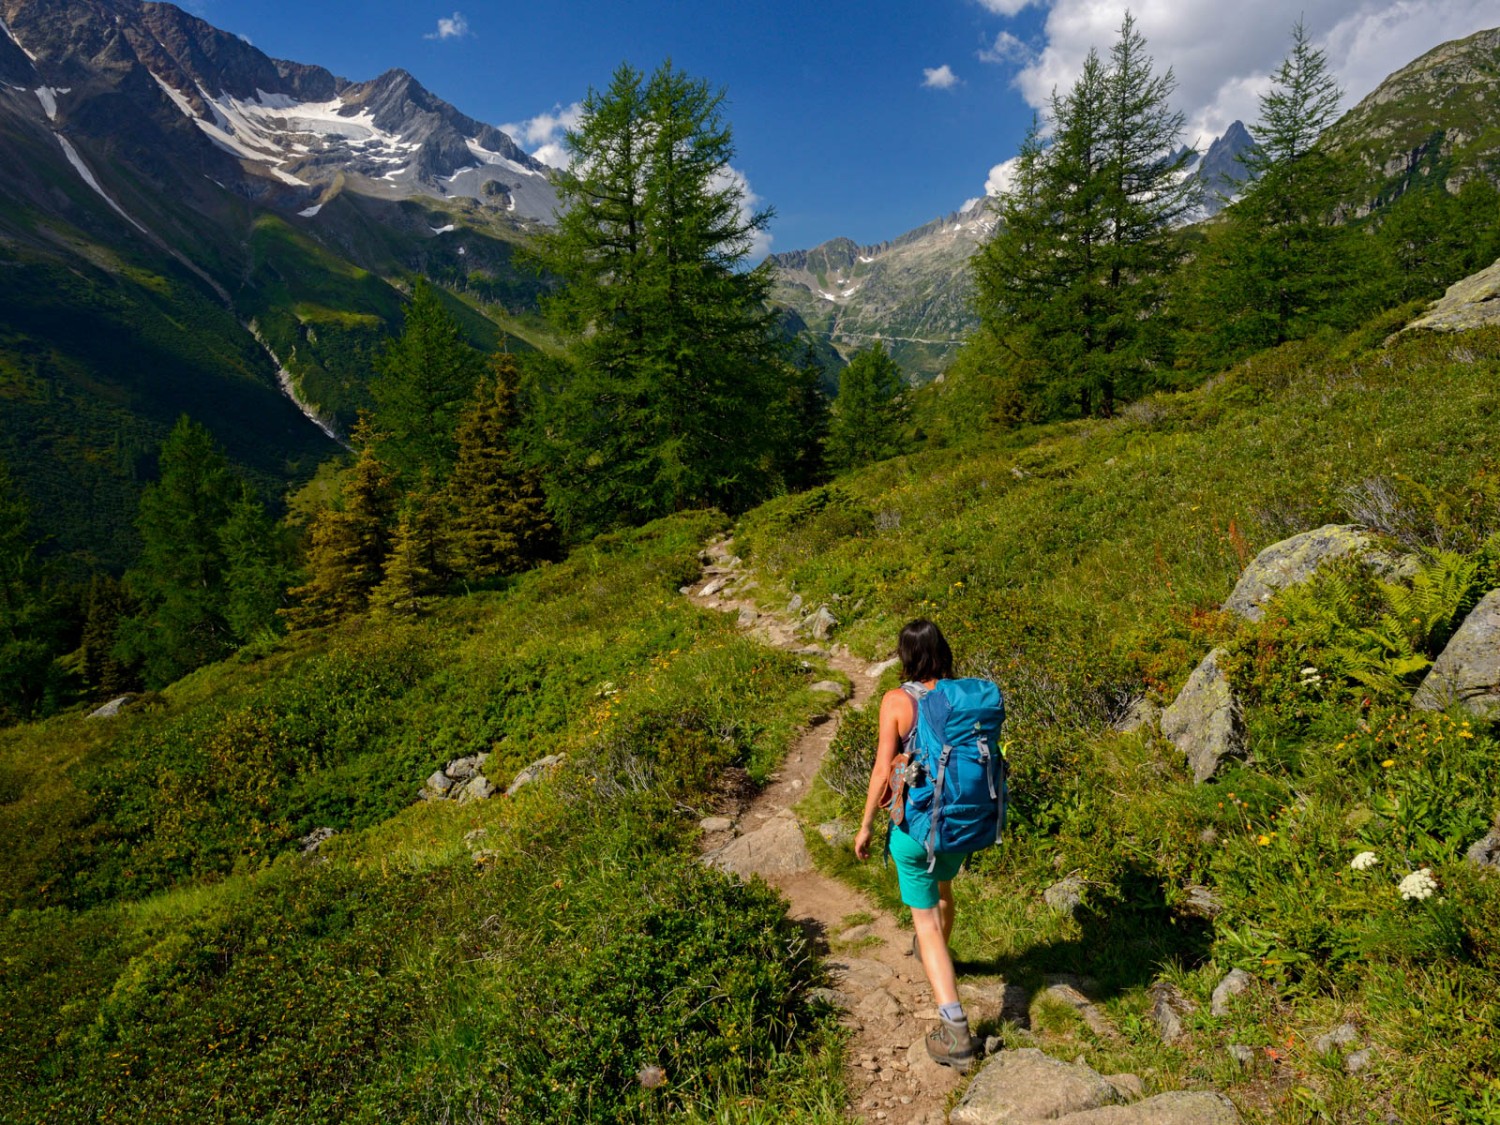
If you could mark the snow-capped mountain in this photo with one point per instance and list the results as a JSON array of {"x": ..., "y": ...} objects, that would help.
[{"x": 298, "y": 126}]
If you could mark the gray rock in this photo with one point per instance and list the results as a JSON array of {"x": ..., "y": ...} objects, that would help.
[
  {"x": 439, "y": 782},
  {"x": 875, "y": 671},
  {"x": 821, "y": 624},
  {"x": 461, "y": 768},
  {"x": 1340, "y": 1036},
  {"x": 1200, "y": 902},
  {"x": 314, "y": 840},
  {"x": 1241, "y": 1054},
  {"x": 1468, "y": 671},
  {"x": 831, "y": 996},
  {"x": 1140, "y": 715},
  {"x": 877, "y": 1006},
  {"x": 716, "y": 824},
  {"x": 1024, "y": 1086},
  {"x": 1357, "y": 1061},
  {"x": 1066, "y": 895},
  {"x": 112, "y": 708},
  {"x": 1233, "y": 984},
  {"x": 1063, "y": 991},
  {"x": 1128, "y": 1086},
  {"x": 862, "y": 974},
  {"x": 1205, "y": 721},
  {"x": 1292, "y": 561},
  {"x": 713, "y": 587},
  {"x": 534, "y": 771},
  {"x": 794, "y": 606},
  {"x": 1485, "y": 852},
  {"x": 748, "y": 616},
  {"x": 1169, "y": 1007},
  {"x": 1468, "y": 304},
  {"x": 831, "y": 687},
  {"x": 777, "y": 848},
  {"x": 684, "y": 590},
  {"x": 1179, "y": 1107},
  {"x": 477, "y": 788},
  {"x": 836, "y": 833}
]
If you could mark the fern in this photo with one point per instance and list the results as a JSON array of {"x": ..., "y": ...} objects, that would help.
[{"x": 1441, "y": 594}]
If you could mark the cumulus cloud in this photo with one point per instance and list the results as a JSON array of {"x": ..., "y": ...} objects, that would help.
[
  {"x": 939, "y": 77},
  {"x": 455, "y": 28},
  {"x": 728, "y": 177},
  {"x": 1006, "y": 7},
  {"x": 542, "y": 135},
  {"x": 1001, "y": 177},
  {"x": 1223, "y": 55},
  {"x": 1007, "y": 49}
]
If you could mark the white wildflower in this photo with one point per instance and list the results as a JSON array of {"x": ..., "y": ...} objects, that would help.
[
  {"x": 1418, "y": 885},
  {"x": 1364, "y": 861},
  {"x": 1309, "y": 670}
]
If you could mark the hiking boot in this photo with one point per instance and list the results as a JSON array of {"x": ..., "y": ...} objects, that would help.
[{"x": 950, "y": 1045}]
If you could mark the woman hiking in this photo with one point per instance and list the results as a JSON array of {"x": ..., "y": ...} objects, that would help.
[{"x": 967, "y": 822}]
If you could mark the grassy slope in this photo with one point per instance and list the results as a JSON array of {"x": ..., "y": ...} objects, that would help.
[
  {"x": 1082, "y": 565},
  {"x": 169, "y": 956}
]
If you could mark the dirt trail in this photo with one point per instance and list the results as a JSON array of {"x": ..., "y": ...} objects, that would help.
[{"x": 881, "y": 988}]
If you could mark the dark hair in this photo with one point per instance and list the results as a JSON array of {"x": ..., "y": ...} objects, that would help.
[{"x": 924, "y": 652}]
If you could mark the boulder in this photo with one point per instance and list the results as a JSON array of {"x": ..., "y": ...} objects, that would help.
[
  {"x": 1140, "y": 715},
  {"x": 716, "y": 824},
  {"x": 1065, "y": 896},
  {"x": 1485, "y": 852},
  {"x": 821, "y": 624},
  {"x": 1200, "y": 902},
  {"x": 534, "y": 771},
  {"x": 1024, "y": 1086},
  {"x": 112, "y": 708},
  {"x": 836, "y": 833},
  {"x": 1169, "y": 1007},
  {"x": 831, "y": 687},
  {"x": 1468, "y": 304},
  {"x": 1292, "y": 561},
  {"x": 875, "y": 671},
  {"x": 1205, "y": 721},
  {"x": 794, "y": 607},
  {"x": 477, "y": 788},
  {"x": 1468, "y": 671},
  {"x": 777, "y": 848},
  {"x": 461, "y": 768},
  {"x": 439, "y": 783},
  {"x": 1180, "y": 1107},
  {"x": 1232, "y": 985}
]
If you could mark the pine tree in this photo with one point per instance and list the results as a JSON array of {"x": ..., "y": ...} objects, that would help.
[
  {"x": 498, "y": 523},
  {"x": 867, "y": 416},
  {"x": 806, "y": 410},
  {"x": 1073, "y": 281},
  {"x": 1277, "y": 265},
  {"x": 255, "y": 576},
  {"x": 179, "y": 577},
  {"x": 665, "y": 399},
  {"x": 105, "y": 674},
  {"x": 426, "y": 375},
  {"x": 349, "y": 543},
  {"x": 27, "y": 621}
]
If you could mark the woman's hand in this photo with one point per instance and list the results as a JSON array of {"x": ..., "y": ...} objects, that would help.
[{"x": 862, "y": 843}]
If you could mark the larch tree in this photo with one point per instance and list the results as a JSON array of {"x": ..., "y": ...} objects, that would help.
[
  {"x": 866, "y": 420},
  {"x": 666, "y": 397},
  {"x": 1072, "y": 282}
]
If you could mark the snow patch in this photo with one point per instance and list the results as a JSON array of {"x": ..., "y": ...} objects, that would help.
[
  {"x": 828, "y": 296},
  {"x": 442, "y": 229},
  {"x": 88, "y": 177},
  {"x": 6, "y": 28},
  {"x": 177, "y": 96},
  {"x": 485, "y": 156},
  {"x": 47, "y": 95},
  {"x": 865, "y": 260},
  {"x": 309, "y": 212}
]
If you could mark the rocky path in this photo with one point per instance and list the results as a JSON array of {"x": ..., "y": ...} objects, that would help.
[{"x": 879, "y": 986}]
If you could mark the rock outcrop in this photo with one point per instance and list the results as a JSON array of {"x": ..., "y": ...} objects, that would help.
[
  {"x": 1205, "y": 721},
  {"x": 1292, "y": 561},
  {"x": 776, "y": 848},
  {"x": 1468, "y": 671},
  {"x": 1471, "y": 303},
  {"x": 460, "y": 780}
]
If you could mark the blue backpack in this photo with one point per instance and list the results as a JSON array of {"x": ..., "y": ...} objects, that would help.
[{"x": 956, "y": 791}]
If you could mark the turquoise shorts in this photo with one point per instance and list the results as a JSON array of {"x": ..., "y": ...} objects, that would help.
[{"x": 919, "y": 887}]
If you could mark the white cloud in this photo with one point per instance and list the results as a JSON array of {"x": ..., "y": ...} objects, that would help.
[
  {"x": 455, "y": 28},
  {"x": 760, "y": 241},
  {"x": 1006, "y": 7},
  {"x": 1223, "y": 54},
  {"x": 545, "y": 131},
  {"x": 939, "y": 77},
  {"x": 1007, "y": 49},
  {"x": 1001, "y": 177}
]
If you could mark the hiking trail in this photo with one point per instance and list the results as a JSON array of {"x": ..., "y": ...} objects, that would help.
[{"x": 881, "y": 989}]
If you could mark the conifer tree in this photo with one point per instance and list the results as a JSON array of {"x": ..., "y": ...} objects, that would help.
[
  {"x": 1279, "y": 256},
  {"x": 426, "y": 375},
  {"x": 27, "y": 631},
  {"x": 105, "y": 674},
  {"x": 255, "y": 577},
  {"x": 408, "y": 580},
  {"x": 348, "y": 544},
  {"x": 1073, "y": 280},
  {"x": 867, "y": 416},
  {"x": 498, "y": 523},
  {"x": 806, "y": 414},
  {"x": 666, "y": 396},
  {"x": 179, "y": 577}
]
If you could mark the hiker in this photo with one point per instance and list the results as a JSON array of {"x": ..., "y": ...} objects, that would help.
[{"x": 970, "y": 775}]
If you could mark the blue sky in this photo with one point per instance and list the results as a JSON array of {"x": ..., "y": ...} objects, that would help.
[{"x": 862, "y": 119}]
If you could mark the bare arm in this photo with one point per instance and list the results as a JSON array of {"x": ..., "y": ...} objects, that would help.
[{"x": 895, "y": 720}]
